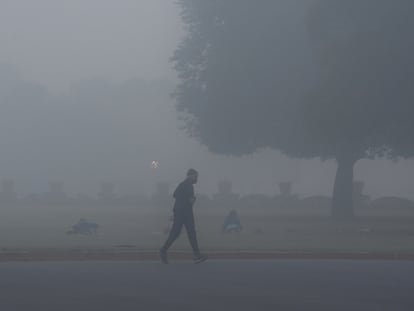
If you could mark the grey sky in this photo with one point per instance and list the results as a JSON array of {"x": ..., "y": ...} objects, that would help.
[
  {"x": 61, "y": 44},
  {"x": 59, "y": 41}
]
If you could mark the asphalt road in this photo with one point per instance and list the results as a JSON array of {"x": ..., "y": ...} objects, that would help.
[{"x": 216, "y": 285}]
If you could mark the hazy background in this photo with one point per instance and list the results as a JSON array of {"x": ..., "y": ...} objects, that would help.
[{"x": 84, "y": 98}]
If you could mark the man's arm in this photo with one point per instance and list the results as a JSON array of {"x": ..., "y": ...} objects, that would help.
[
  {"x": 177, "y": 192},
  {"x": 184, "y": 193},
  {"x": 192, "y": 200},
  {"x": 192, "y": 197}
]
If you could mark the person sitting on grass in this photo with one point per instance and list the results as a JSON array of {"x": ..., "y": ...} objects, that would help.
[
  {"x": 84, "y": 227},
  {"x": 232, "y": 223}
]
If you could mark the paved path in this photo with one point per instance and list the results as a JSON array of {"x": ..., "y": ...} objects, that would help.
[{"x": 216, "y": 285}]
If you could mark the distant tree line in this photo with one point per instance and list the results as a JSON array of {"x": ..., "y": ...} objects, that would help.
[{"x": 224, "y": 198}]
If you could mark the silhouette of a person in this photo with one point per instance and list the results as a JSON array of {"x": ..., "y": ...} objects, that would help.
[
  {"x": 183, "y": 216},
  {"x": 232, "y": 223}
]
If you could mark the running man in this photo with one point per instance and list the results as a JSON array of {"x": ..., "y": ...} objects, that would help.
[{"x": 183, "y": 216}]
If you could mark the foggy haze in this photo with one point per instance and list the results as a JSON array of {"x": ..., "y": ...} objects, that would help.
[{"x": 85, "y": 98}]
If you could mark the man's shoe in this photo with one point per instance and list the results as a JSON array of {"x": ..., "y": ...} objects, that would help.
[
  {"x": 164, "y": 257},
  {"x": 200, "y": 258}
]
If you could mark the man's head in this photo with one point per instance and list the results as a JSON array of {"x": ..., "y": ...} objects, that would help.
[{"x": 192, "y": 175}]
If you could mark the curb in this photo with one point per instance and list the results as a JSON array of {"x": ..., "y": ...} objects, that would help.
[{"x": 36, "y": 255}]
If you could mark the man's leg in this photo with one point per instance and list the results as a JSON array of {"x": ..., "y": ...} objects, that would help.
[
  {"x": 191, "y": 232},
  {"x": 174, "y": 232}
]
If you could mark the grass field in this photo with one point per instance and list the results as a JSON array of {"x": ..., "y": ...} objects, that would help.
[{"x": 264, "y": 229}]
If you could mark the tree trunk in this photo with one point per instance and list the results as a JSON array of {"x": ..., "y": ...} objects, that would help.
[{"x": 342, "y": 208}]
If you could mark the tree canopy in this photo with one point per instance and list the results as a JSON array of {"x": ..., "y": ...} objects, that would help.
[
  {"x": 242, "y": 67},
  {"x": 365, "y": 50}
]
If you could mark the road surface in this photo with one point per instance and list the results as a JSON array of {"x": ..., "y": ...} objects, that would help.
[{"x": 216, "y": 285}]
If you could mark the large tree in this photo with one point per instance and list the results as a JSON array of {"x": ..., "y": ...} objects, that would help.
[
  {"x": 329, "y": 80},
  {"x": 365, "y": 50}
]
